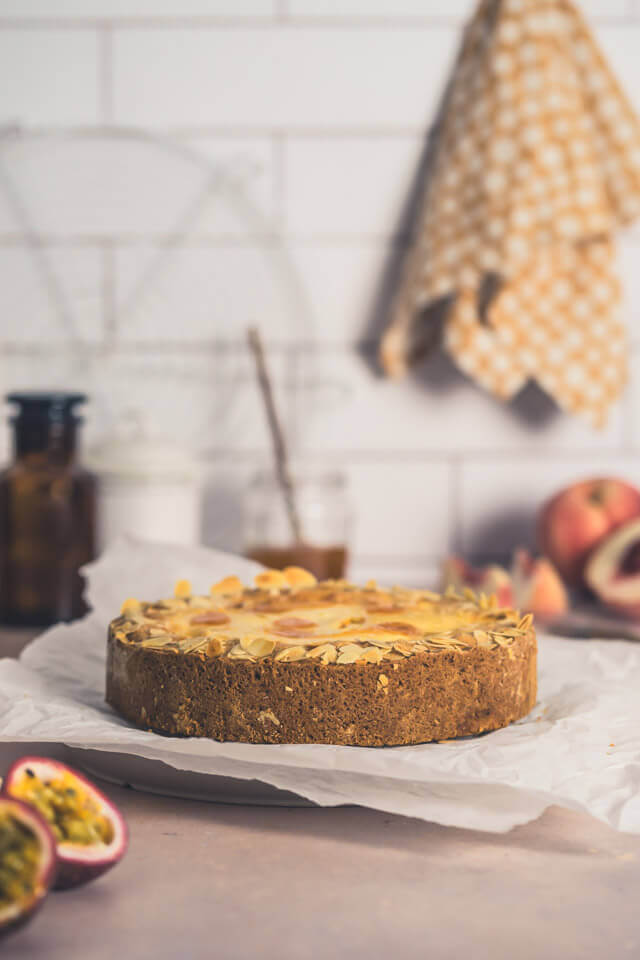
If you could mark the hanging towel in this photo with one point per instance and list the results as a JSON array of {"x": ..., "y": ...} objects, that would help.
[{"x": 536, "y": 164}]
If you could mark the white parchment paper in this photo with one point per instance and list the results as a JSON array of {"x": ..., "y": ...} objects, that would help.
[{"x": 580, "y": 747}]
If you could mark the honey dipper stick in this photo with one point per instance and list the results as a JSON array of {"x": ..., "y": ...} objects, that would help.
[{"x": 277, "y": 435}]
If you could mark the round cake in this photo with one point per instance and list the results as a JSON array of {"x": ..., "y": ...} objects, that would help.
[{"x": 296, "y": 661}]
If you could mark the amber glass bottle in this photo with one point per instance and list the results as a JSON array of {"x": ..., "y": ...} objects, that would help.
[{"x": 47, "y": 513}]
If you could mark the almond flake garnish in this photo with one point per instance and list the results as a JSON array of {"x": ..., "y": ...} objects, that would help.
[
  {"x": 238, "y": 653},
  {"x": 430, "y": 596},
  {"x": 393, "y": 656},
  {"x": 270, "y": 580},
  {"x": 215, "y": 647},
  {"x": 297, "y": 577},
  {"x": 159, "y": 641},
  {"x": 350, "y": 653},
  {"x": 229, "y": 585},
  {"x": 385, "y": 642},
  {"x": 526, "y": 622},
  {"x": 290, "y": 654},
  {"x": 483, "y": 639},
  {"x": 372, "y": 655},
  {"x": 320, "y": 651},
  {"x": 131, "y": 608},
  {"x": 195, "y": 646},
  {"x": 258, "y": 646},
  {"x": 403, "y": 647}
]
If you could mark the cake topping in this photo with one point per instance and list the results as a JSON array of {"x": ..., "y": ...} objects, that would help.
[{"x": 290, "y": 617}]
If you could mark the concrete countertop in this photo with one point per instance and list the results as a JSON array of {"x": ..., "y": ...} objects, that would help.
[{"x": 206, "y": 880}]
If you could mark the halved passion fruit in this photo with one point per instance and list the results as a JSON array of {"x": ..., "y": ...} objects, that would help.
[
  {"x": 27, "y": 862},
  {"x": 90, "y": 833}
]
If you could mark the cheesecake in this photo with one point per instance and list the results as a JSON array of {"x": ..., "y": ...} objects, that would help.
[{"x": 293, "y": 660}]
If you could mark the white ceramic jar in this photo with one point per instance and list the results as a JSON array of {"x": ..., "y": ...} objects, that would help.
[{"x": 149, "y": 489}]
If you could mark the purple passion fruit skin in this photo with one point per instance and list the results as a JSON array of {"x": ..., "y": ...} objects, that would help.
[
  {"x": 27, "y": 863},
  {"x": 89, "y": 831}
]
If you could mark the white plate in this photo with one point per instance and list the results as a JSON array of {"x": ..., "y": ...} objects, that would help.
[{"x": 154, "y": 776}]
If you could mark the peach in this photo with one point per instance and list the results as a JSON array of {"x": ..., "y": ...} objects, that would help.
[
  {"x": 537, "y": 586},
  {"x": 579, "y": 517},
  {"x": 613, "y": 570},
  {"x": 533, "y": 585},
  {"x": 490, "y": 579}
]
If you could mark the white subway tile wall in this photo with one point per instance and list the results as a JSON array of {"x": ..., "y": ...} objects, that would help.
[{"x": 163, "y": 163}]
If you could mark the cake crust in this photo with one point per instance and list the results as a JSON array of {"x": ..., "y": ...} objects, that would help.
[{"x": 323, "y": 663}]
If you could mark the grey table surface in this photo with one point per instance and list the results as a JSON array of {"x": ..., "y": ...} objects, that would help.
[{"x": 212, "y": 880}]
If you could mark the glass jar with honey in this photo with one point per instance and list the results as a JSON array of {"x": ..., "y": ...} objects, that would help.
[{"x": 324, "y": 516}]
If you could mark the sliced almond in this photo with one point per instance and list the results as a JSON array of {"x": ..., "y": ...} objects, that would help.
[
  {"x": 195, "y": 645},
  {"x": 372, "y": 655},
  {"x": 215, "y": 647},
  {"x": 297, "y": 577},
  {"x": 270, "y": 580},
  {"x": 526, "y": 622},
  {"x": 229, "y": 585},
  {"x": 159, "y": 641},
  {"x": 290, "y": 654},
  {"x": 350, "y": 653},
  {"x": 403, "y": 647},
  {"x": 182, "y": 589},
  {"x": 131, "y": 608},
  {"x": 314, "y": 653},
  {"x": 258, "y": 646},
  {"x": 482, "y": 639},
  {"x": 237, "y": 653}
]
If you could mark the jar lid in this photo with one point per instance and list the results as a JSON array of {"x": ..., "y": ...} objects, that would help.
[
  {"x": 141, "y": 458},
  {"x": 46, "y": 405}
]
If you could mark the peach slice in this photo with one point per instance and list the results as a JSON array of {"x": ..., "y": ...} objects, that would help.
[
  {"x": 537, "y": 586},
  {"x": 490, "y": 579},
  {"x": 613, "y": 570}
]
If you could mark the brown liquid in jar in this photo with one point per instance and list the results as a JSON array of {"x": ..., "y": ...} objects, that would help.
[
  {"x": 325, "y": 563},
  {"x": 47, "y": 514}
]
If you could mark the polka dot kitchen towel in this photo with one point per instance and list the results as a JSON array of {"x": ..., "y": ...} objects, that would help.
[{"x": 536, "y": 163}]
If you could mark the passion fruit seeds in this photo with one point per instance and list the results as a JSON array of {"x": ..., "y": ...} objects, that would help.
[
  {"x": 89, "y": 831},
  {"x": 70, "y": 811},
  {"x": 27, "y": 862}
]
